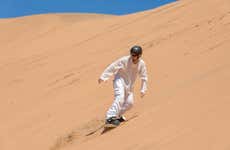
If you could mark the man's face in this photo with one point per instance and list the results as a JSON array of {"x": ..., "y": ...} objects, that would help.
[{"x": 135, "y": 57}]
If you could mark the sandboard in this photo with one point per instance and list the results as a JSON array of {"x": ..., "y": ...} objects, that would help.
[{"x": 105, "y": 128}]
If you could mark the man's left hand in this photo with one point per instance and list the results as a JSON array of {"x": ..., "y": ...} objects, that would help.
[{"x": 142, "y": 94}]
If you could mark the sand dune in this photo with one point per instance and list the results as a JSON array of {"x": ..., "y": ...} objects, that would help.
[{"x": 49, "y": 66}]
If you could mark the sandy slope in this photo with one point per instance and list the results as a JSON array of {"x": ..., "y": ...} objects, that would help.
[{"x": 49, "y": 67}]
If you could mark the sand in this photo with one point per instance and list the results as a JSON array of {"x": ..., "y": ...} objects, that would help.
[{"x": 49, "y": 66}]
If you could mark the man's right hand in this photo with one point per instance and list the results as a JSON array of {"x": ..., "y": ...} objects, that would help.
[{"x": 100, "y": 80}]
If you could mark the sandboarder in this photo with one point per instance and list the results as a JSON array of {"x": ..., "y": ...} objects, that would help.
[{"x": 125, "y": 71}]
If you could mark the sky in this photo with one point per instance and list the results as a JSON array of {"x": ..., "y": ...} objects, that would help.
[{"x": 16, "y": 8}]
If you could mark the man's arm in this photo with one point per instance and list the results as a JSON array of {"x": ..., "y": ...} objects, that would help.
[
  {"x": 144, "y": 79},
  {"x": 111, "y": 70}
]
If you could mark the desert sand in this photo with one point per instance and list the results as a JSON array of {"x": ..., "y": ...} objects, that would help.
[{"x": 49, "y": 66}]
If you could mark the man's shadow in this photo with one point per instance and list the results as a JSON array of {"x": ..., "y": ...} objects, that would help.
[{"x": 106, "y": 129}]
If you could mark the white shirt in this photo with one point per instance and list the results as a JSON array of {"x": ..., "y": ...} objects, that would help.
[{"x": 124, "y": 68}]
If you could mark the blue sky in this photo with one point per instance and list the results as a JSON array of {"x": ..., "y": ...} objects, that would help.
[{"x": 15, "y": 8}]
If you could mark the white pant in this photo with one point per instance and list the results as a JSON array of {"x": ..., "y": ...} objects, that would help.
[{"x": 123, "y": 100}]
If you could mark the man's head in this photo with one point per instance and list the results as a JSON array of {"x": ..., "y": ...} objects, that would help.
[{"x": 135, "y": 52}]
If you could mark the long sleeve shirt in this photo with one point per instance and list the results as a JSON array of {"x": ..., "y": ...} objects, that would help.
[{"x": 124, "y": 68}]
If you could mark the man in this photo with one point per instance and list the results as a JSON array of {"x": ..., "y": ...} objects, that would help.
[{"x": 125, "y": 71}]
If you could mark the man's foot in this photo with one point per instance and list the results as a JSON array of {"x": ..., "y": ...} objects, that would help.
[
  {"x": 112, "y": 122},
  {"x": 121, "y": 119}
]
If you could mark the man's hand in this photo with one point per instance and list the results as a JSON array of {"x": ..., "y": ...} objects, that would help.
[
  {"x": 142, "y": 94},
  {"x": 100, "y": 80}
]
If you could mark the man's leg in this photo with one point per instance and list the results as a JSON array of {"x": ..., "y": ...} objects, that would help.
[
  {"x": 127, "y": 104},
  {"x": 119, "y": 98}
]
